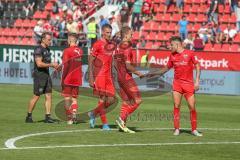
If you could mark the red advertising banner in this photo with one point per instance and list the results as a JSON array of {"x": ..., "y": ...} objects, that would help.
[{"x": 208, "y": 60}]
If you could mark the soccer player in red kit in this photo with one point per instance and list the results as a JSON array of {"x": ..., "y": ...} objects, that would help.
[
  {"x": 129, "y": 92},
  {"x": 183, "y": 62},
  {"x": 71, "y": 77},
  {"x": 100, "y": 75}
]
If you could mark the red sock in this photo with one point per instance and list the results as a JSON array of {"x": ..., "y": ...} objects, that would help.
[
  {"x": 99, "y": 107},
  {"x": 124, "y": 112},
  {"x": 74, "y": 107},
  {"x": 132, "y": 108},
  {"x": 101, "y": 111},
  {"x": 193, "y": 118},
  {"x": 68, "y": 112},
  {"x": 176, "y": 117}
]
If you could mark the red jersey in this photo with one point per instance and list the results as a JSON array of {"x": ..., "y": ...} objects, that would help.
[
  {"x": 72, "y": 66},
  {"x": 103, "y": 50},
  {"x": 183, "y": 64},
  {"x": 123, "y": 55}
]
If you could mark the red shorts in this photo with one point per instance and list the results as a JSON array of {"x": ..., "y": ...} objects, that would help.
[
  {"x": 129, "y": 90},
  {"x": 103, "y": 86},
  {"x": 187, "y": 89},
  {"x": 70, "y": 91}
]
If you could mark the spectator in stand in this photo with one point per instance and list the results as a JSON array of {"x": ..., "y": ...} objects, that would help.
[
  {"x": 76, "y": 13},
  {"x": 203, "y": 33},
  {"x": 1, "y": 9},
  {"x": 112, "y": 15},
  {"x": 62, "y": 28},
  {"x": 213, "y": 11},
  {"x": 31, "y": 4},
  {"x": 38, "y": 31},
  {"x": 47, "y": 27},
  {"x": 130, "y": 4},
  {"x": 147, "y": 8},
  {"x": 238, "y": 16},
  {"x": 211, "y": 37},
  {"x": 198, "y": 43},
  {"x": 55, "y": 8},
  {"x": 188, "y": 42},
  {"x": 92, "y": 29},
  {"x": 137, "y": 9},
  {"x": 80, "y": 24},
  {"x": 142, "y": 42},
  {"x": 183, "y": 27},
  {"x": 167, "y": 4},
  {"x": 124, "y": 16},
  {"x": 229, "y": 33},
  {"x": 179, "y": 4},
  {"x": 103, "y": 21},
  {"x": 114, "y": 25},
  {"x": 233, "y": 4},
  {"x": 72, "y": 27},
  {"x": 217, "y": 33}
]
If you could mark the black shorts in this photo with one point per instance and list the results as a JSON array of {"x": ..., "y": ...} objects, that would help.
[{"x": 42, "y": 83}]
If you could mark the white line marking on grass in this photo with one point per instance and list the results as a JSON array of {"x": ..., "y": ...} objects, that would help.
[
  {"x": 10, "y": 143},
  {"x": 120, "y": 145}
]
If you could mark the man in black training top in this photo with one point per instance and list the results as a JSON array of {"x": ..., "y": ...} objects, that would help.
[{"x": 42, "y": 83}]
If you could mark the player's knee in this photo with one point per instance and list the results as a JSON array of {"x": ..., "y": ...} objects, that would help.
[
  {"x": 48, "y": 96},
  {"x": 177, "y": 105}
]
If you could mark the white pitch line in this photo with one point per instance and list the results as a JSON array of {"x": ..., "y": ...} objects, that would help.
[
  {"x": 120, "y": 145},
  {"x": 10, "y": 143}
]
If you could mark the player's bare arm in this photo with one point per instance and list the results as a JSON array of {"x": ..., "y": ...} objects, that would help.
[
  {"x": 90, "y": 62},
  {"x": 133, "y": 70},
  {"x": 41, "y": 64},
  {"x": 159, "y": 72},
  {"x": 198, "y": 72}
]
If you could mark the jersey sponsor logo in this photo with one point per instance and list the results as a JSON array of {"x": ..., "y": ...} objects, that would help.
[{"x": 77, "y": 51}]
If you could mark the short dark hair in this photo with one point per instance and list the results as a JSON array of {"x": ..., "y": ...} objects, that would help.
[
  {"x": 44, "y": 35},
  {"x": 175, "y": 38},
  {"x": 124, "y": 31},
  {"x": 106, "y": 26}
]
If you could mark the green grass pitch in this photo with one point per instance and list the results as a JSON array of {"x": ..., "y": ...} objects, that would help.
[{"x": 214, "y": 113}]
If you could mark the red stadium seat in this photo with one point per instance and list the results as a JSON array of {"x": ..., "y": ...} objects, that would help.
[
  {"x": 163, "y": 27},
  {"x": 147, "y": 26},
  {"x": 49, "y": 6},
  {"x": 18, "y": 23},
  {"x": 235, "y": 48},
  {"x": 217, "y": 47},
  {"x": 155, "y": 26},
  {"x": 226, "y": 47},
  {"x": 191, "y": 18},
  {"x": 14, "y": 32},
  {"x": 201, "y": 18},
  {"x": 21, "y": 32},
  {"x": 172, "y": 27},
  {"x": 151, "y": 36},
  {"x": 237, "y": 38},
  {"x": 187, "y": 8},
  {"x": 135, "y": 36},
  {"x": 176, "y": 17},
  {"x": 208, "y": 47},
  {"x": 224, "y": 19},
  {"x": 232, "y": 19},
  {"x": 160, "y": 36},
  {"x": 195, "y": 9},
  {"x": 149, "y": 45}
]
